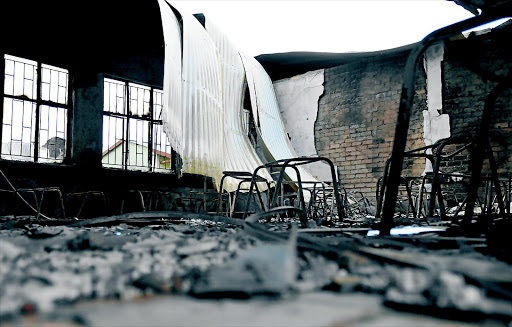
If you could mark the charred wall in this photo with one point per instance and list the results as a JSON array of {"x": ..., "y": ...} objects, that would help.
[
  {"x": 356, "y": 119},
  {"x": 357, "y": 112},
  {"x": 472, "y": 69}
]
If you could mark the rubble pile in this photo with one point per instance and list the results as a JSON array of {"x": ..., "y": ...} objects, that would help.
[{"x": 44, "y": 268}]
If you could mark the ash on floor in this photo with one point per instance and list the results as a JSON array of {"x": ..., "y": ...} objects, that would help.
[{"x": 52, "y": 271}]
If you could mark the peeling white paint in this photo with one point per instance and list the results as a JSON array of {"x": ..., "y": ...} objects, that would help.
[
  {"x": 436, "y": 126},
  {"x": 298, "y": 102}
]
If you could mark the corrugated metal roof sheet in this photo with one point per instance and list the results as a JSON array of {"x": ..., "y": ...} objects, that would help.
[
  {"x": 239, "y": 154},
  {"x": 172, "y": 116},
  {"x": 271, "y": 125},
  {"x": 203, "y": 113},
  {"x": 203, "y": 99}
]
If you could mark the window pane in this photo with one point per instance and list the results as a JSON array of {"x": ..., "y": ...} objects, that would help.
[
  {"x": 113, "y": 141},
  {"x": 128, "y": 144},
  {"x": 113, "y": 97},
  {"x": 157, "y": 104},
  {"x": 162, "y": 151},
  {"x": 20, "y": 77},
  {"x": 139, "y": 100},
  {"x": 54, "y": 83},
  {"x": 139, "y": 146},
  {"x": 19, "y": 123},
  {"x": 52, "y": 133},
  {"x": 17, "y": 130}
]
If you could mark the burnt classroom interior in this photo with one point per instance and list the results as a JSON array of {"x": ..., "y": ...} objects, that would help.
[{"x": 371, "y": 135}]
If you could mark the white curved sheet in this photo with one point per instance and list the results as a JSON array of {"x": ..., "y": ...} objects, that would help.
[
  {"x": 271, "y": 127},
  {"x": 171, "y": 116},
  {"x": 202, "y": 108},
  {"x": 203, "y": 98},
  {"x": 239, "y": 154}
]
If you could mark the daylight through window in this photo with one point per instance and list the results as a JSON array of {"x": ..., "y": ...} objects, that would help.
[
  {"x": 35, "y": 111},
  {"x": 133, "y": 136}
]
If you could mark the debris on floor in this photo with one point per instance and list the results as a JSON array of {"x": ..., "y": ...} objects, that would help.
[{"x": 46, "y": 268}]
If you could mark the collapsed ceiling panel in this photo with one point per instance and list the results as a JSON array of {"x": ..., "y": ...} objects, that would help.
[
  {"x": 271, "y": 126},
  {"x": 202, "y": 107},
  {"x": 172, "y": 77},
  {"x": 204, "y": 121},
  {"x": 239, "y": 154}
]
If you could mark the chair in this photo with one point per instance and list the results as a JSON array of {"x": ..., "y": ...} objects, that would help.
[
  {"x": 233, "y": 197},
  {"x": 437, "y": 178}
]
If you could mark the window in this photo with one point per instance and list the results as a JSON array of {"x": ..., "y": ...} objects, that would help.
[
  {"x": 35, "y": 111},
  {"x": 133, "y": 136}
]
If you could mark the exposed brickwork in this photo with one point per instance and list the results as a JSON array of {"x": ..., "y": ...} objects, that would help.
[
  {"x": 356, "y": 119},
  {"x": 357, "y": 112},
  {"x": 465, "y": 93}
]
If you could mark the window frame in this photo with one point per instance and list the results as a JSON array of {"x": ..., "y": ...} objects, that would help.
[
  {"x": 38, "y": 102},
  {"x": 128, "y": 116}
]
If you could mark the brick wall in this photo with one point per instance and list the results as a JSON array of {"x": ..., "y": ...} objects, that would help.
[
  {"x": 357, "y": 112},
  {"x": 357, "y": 115},
  {"x": 465, "y": 92}
]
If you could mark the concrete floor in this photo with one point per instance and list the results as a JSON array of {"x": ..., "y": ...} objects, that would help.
[
  {"x": 68, "y": 275},
  {"x": 307, "y": 309}
]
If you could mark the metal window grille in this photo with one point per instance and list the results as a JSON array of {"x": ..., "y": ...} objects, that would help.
[
  {"x": 35, "y": 111},
  {"x": 133, "y": 136}
]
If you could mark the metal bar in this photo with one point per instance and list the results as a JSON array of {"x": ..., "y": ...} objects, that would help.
[
  {"x": 409, "y": 198},
  {"x": 420, "y": 199},
  {"x": 205, "y": 189},
  {"x": 405, "y": 107},
  {"x": 221, "y": 192},
  {"x": 125, "y": 79},
  {"x": 127, "y": 131},
  {"x": 253, "y": 184},
  {"x": 42, "y": 102},
  {"x": 278, "y": 187},
  {"x": 232, "y": 205},
  {"x": 442, "y": 211},
  {"x": 300, "y": 199},
  {"x": 38, "y": 109},
  {"x": 2, "y": 88},
  {"x": 258, "y": 193},
  {"x": 380, "y": 195},
  {"x": 116, "y": 114},
  {"x": 150, "y": 136},
  {"x": 477, "y": 159},
  {"x": 495, "y": 179},
  {"x": 509, "y": 193},
  {"x": 435, "y": 186},
  {"x": 69, "y": 115}
]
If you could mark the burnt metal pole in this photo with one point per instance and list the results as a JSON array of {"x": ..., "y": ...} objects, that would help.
[
  {"x": 126, "y": 145},
  {"x": 38, "y": 111},
  {"x": 150, "y": 136},
  {"x": 477, "y": 159},
  {"x": 2, "y": 90},
  {"x": 406, "y": 101}
]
